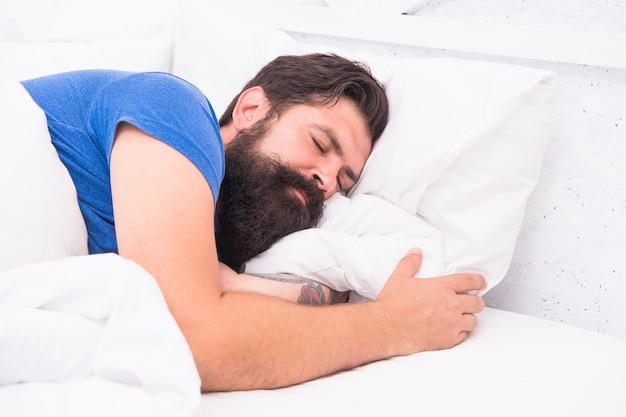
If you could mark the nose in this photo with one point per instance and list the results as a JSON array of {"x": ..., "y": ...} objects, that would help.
[
  {"x": 325, "y": 172},
  {"x": 327, "y": 182}
]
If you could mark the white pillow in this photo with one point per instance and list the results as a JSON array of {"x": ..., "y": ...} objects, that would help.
[
  {"x": 463, "y": 149},
  {"x": 39, "y": 215}
]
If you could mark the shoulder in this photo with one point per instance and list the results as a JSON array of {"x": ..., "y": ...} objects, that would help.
[
  {"x": 171, "y": 110},
  {"x": 154, "y": 83}
]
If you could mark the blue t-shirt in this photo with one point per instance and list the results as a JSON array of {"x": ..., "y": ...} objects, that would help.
[{"x": 83, "y": 110}]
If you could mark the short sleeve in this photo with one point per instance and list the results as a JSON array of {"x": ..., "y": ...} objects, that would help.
[{"x": 167, "y": 108}]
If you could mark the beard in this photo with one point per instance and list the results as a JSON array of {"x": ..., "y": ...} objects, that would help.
[{"x": 258, "y": 203}]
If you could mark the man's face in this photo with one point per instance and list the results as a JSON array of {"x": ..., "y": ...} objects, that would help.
[
  {"x": 329, "y": 144},
  {"x": 279, "y": 172}
]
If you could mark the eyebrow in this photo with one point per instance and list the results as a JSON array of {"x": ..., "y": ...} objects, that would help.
[{"x": 339, "y": 151}]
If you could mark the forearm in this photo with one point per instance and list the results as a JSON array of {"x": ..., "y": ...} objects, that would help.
[
  {"x": 288, "y": 287},
  {"x": 270, "y": 343}
]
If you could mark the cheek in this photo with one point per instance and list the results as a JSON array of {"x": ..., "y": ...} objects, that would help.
[
  {"x": 290, "y": 143},
  {"x": 310, "y": 165},
  {"x": 297, "y": 157},
  {"x": 284, "y": 150}
]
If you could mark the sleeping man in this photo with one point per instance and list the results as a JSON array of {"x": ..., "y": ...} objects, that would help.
[{"x": 149, "y": 161}]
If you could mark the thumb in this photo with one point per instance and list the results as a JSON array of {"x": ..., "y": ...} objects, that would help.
[
  {"x": 409, "y": 264},
  {"x": 406, "y": 268}
]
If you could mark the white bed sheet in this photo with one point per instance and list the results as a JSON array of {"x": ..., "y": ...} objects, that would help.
[{"x": 513, "y": 365}]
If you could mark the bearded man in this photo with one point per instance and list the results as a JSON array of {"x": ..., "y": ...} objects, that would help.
[{"x": 161, "y": 182}]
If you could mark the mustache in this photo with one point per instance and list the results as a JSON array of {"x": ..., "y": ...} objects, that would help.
[{"x": 291, "y": 179}]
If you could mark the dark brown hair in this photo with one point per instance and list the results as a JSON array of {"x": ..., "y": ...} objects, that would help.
[{"x": 320, "y": 79}]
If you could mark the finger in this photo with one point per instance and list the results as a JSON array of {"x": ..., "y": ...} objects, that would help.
[
  {"x": 469, "y": 322},
  {"x": 466, "y": 282},
  {"x": 460, "y": 338},
  {"x": 472, "y": 303},
  {"x": 409, "y": 264}
]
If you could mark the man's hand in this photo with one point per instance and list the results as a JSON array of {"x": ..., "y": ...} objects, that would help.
[{"x": 431, "y": 313}]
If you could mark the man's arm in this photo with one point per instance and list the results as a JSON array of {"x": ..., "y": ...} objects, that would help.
[
  {"x": 164, "y": 221},
  {"x": 286, "y": 286}
]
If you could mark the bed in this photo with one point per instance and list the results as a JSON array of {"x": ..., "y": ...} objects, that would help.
[{"x": 451, "y": 174}]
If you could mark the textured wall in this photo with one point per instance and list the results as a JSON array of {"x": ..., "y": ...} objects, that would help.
[{"x": 570, "y": 261}]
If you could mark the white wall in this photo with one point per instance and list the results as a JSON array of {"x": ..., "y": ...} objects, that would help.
[{"x": 570, "y": 261}]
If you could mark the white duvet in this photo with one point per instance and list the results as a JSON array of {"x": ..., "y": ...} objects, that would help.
[
  {"x": 79, "y": 335},
  {"x": 91, "y": 336}
]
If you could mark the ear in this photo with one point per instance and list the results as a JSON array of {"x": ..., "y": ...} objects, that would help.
[{"x": 251, "y": 107}]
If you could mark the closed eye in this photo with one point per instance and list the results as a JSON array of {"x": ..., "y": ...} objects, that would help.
[{"x": 319, "y": 147}]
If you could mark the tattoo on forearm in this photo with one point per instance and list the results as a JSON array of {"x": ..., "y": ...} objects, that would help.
[{"x": 311, "y": 292}]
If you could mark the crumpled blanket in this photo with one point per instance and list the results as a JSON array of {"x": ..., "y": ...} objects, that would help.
[{"x": 91, "y": 336}]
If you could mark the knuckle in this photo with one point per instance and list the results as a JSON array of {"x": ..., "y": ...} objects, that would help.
[{"x": 454, "y": 303}]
